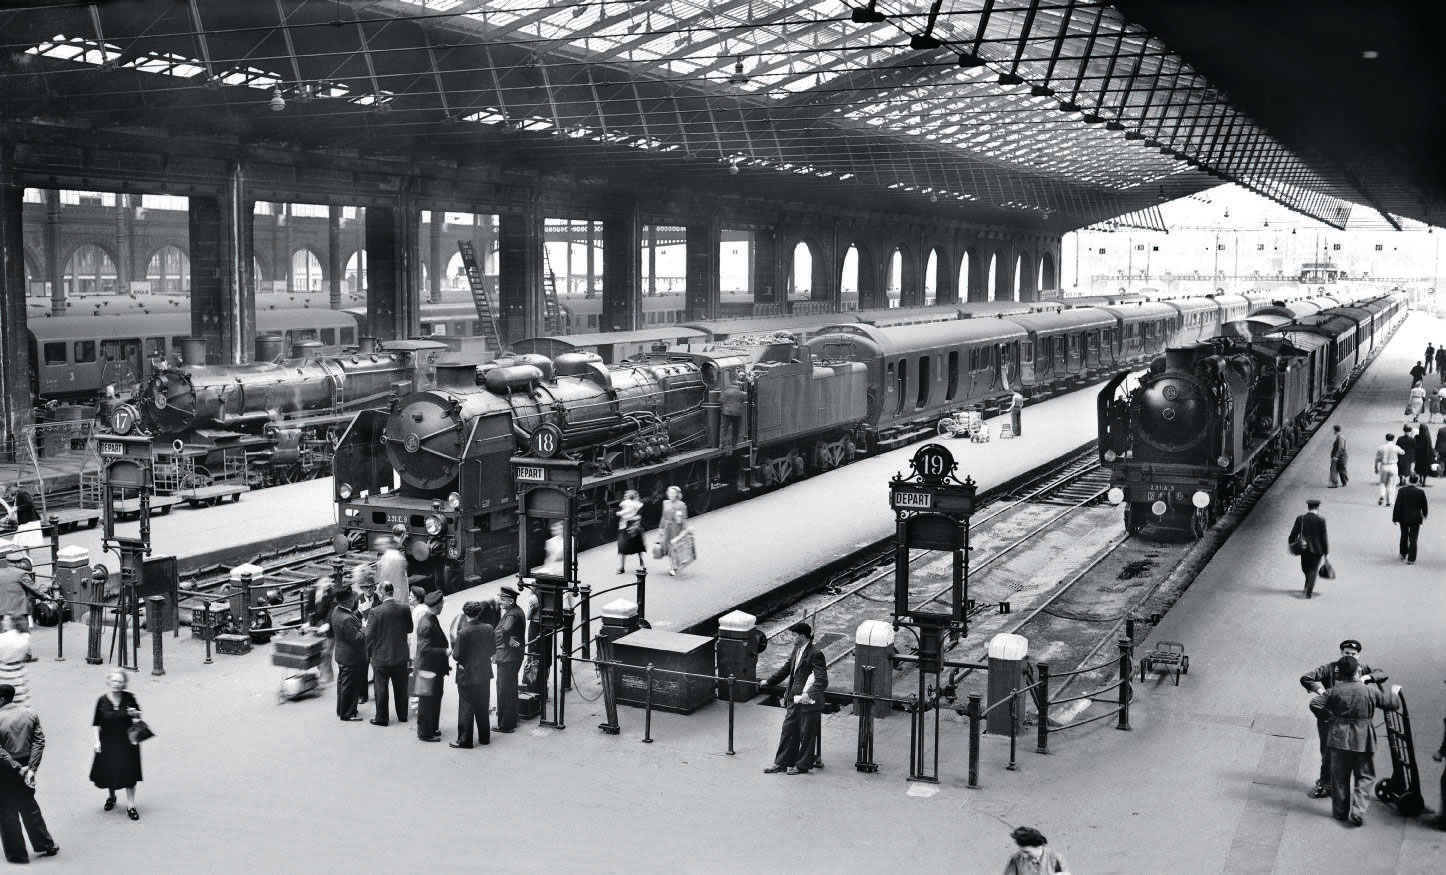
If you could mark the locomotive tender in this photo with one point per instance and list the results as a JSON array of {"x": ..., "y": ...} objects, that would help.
[{"x": 1185, "y": 440}]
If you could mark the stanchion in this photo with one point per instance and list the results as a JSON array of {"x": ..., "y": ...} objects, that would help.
[
  {"x": 865, "y": 760},
  {"x": 93, "y": 618},
  {"x": 567, "y": 618},
  {"x": 1126, "y": 649},
  {"x": 585, "y": 595},
  {"x": 648, "y": 709},
  {"x": 973, "y": 711},
  {"x": 1013, "y": 729},
  {"x": 610, "y": 701},
  {"x": 732, "y": 679},
  {"x": 209, "y": 630},
  {"x": 1041, "y": 701},
  {"x": 642, "y": 575},
  {"x": 60, "y": 607},
  {"x": 308, "y": 602},
  {"x": 155, "y": 613}
]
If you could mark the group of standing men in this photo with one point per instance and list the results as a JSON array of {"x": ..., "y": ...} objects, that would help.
[{"x": 399, "y": 644}]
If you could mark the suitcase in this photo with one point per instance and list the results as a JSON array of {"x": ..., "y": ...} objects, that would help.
[
  {"x": 236, "y": 645},
  {"x": 297, "y": 653},
  {"x": 529, "y": 706}
]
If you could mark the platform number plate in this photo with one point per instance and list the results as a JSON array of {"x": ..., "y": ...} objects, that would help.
[
  {"x": 546, "y": 441},
  {"x": 933, "y": 463}
]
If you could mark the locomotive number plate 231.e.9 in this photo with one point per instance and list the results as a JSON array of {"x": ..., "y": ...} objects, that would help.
[{"x": 531, "y": 472}]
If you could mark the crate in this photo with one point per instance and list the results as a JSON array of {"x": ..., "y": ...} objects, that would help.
[
  {"x": 679, "y": 694},
  {"x": 297, "y": 653},
  {"x": 529, "y": 706},
  {"x": 192, "y": 610},
  {"x": 235, "y": 645}
]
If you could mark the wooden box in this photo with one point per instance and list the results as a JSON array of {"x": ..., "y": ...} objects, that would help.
[
  {"x": 233, "y": 644},
  {"x": 675, "y": 652}
]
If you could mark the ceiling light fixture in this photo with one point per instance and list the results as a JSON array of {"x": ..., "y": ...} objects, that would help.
[
  {"x": 738, "y": 77},
  {"x": 870, "y": 15},
  {"x": 278, "y": 103}
]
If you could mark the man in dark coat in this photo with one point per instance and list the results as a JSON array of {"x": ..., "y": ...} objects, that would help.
[
  {"x": 1425, "y": 454},
  {"x": 1352, "y": 740},
  {"x": 803, "y": 699},
  {"x": 1417, "y": 373},
  {"x": 473, "y": 647},
  {"x": 1406, "y": 463},
  {"x": 22, "y": 745},
  {"x": 388, "y": 626},
  {"x": 351, "y": 653},
  {"x": 1317, "y": 681},
  {"x": 1410, "y": 512},
  {"x": 1339, "y": 456},
  {"x": 432, "y": 657},
  {"x": 1310, "y": 528},
  {"x": 508, "y": 656},
  {"x": 1441, "y": 361},
  {"x": 1430, "y": 359}
]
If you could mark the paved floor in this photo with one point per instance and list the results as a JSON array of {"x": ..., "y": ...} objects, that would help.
[{"x": 1211, "y": 779}]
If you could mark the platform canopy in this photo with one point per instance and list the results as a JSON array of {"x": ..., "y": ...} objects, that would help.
[{"x": 1038, "y": 113}]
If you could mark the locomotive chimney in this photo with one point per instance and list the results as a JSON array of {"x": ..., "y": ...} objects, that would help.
[
  {"x": 366, "y": 345},
  {"x": 456, "y": 375},
  {"x": 193, "y": 351},
  {"x": 305, "y": 349},
  {"x": 1183, "y": 358},
  {"x": 269, "y": 347}
]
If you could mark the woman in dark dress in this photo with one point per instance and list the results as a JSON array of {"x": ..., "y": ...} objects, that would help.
[{"x": 117, "y": 763}]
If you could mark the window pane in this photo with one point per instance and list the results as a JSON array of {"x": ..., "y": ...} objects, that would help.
[
  {"x": 55, "y": 353},
  {"x": 84, "y": 351}
]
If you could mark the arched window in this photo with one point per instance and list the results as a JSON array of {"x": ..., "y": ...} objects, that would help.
[
  {"x": 90, "y": 271},
  {"x": 305, "y": 271},
  {"x": 848, "y": 282},
  {"x": 931, "y": 278},
  {"x": 169, "y": 272},
  {"x": 992, "y": 280},
  {"x": 894, "y": 288},
  {"x": 356, "y": 273},
  {"x": 800, "y": 272}
]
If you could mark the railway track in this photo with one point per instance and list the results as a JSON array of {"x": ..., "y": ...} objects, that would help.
[{"x": 286, "y": 571}]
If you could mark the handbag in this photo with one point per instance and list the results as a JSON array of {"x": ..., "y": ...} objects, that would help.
[
  {"x": 1327, "y": 570},
  {"x": 1297, "y": 546},
  {"x": 428, "y": 683},
  {"x": 139, "y": 731},
  {"x": 660, "y": 549}
]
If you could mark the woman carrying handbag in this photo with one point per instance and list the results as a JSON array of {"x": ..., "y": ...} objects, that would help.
[
  {"x": 673, "y": 525},
  {"x": 119, "y": 732}
]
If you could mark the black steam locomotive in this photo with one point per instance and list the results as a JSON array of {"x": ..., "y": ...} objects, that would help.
[{"x": 1187, "y": 438}]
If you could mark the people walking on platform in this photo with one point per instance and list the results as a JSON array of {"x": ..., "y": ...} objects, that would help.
[
  {"x": 1430, "y": 359},
  {"x": 1016, "y": 414},
  {"x": 1339, "y": 456},
  {"x": 803, "y": 700},
  {"x": 1406, "y": 462},
  {"x": 1308, "y": 538},
  {"x": 1388, "y": 456},
  {"x": 117, "y": 763},
  {"x": 14, "y": 654},
  {"x": 473, "y": 647},
  {"x": 1035, "y": 856},
  {"x": 1425, "y": 455},
  {"x": 674, "y": 523},
  {"x": 1352, "y": 708},
  {"x": 1317, "y": 681},
  {"x": 22, "y": 744},
  {"x": 1417, "y": 372},
  {"x": 508, "y": 657},
  {"x": 391, "y": 567},
  {"x": 630, "y": 529},
  {"x": 1410, "y": 512},
  {"x": 1416, "y": 401},
  {"x": 387, "y": 630},
  {"x": 350, "y": 653},
  {"x": 432, "y": 669}
]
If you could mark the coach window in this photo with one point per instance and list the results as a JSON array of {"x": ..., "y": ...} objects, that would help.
[
  {"x": 348, "y": 337},
  {"x": 55, "y": 353},
  {"x": 953, "y": 375},
  {"x": 1027, "y": 351},
  {"x": 328, "y": 336},
  {"x": 84, "y": 352},
  {"x": 155, "y": 347},
  {"x": 923, "y": 399},
  {"x": 902, "y": 387}
]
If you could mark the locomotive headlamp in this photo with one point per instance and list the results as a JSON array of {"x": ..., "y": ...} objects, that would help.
[
  {"x": 434, "y": 524},
  {"x": 454, "y": 501},
  {"x": 1200, "y": 499},
  {"x": 454, "y": 550},
  {"x": 1115, "y": 495},
  {"x": 1158, "y": 508},
  {"x": 1223, "y": 461},
  {"x": 344, "y": 491},
  {"x": 1110, "y": 455}
]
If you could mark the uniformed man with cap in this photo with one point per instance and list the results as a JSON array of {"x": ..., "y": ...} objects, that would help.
[
  {"x": 1317, "y": 681},
  {"x": 1308, "y": 540},
  {"x": 803, "y": 699},
  {"x": 431, "y": 658},
  {"x": 1352, "y": 707},
  {"x": 511, "y": 632}
]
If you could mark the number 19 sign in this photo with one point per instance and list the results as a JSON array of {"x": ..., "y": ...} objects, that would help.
[{"x": 933, "y": 485}]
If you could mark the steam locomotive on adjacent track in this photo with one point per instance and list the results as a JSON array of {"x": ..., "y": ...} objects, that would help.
[
  {"x": 1185, "y": 440},
  {"x": 436, "y": 463}
]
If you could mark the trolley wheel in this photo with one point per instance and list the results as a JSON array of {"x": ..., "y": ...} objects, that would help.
[
  {"x": 166, "y": 511},
  {"x": 1184, "y": 665},
  {"x": 1410, "y": 805},
  {"x": 1383, "y": 789},
  {"x": 946, "y": 428},
  {"x": 91, "y": 523},
  {"x": 236, "y": 499}
]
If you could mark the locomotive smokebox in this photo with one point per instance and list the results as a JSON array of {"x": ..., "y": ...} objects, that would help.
[
  {"x": 269, "y": 347},
  {"x": 1183, "y": 358},
  {"x": 456, "y": 375},
  {"x": 193, "y": 351}
]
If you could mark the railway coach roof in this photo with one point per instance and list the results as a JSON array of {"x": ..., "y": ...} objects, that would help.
[
  {"x": 1065, "y": 320},
  {"x": 718, "y": 329},
  {"x": 678, "y": 333},
  {"x": 1142, "y": 311},
  {"x": 908, "y": 339},
  {"x": 1290, "y": 310},
  {"x": 1331, "y": 324}
]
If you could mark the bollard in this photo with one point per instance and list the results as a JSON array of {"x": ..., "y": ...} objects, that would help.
[
  {"x": 642, "y": 575},
  {"x": 210, "y": 630},
  {"x": 732, "y": 679},
  {"x": 1125, "y": 649},
  {"x": 585, "y": 595},
  {"x": 93, "y": 619},
  {"x": 1013, "y": 729},
  {"x": 155, "y": 609},
  {"x": 246, "y": 617},
  {"x": 1130, "y": 628},
  {"x": 1041, "y": 699},
  {"x": 648, "y": 708},
  {"x": 973, "y": 712}
]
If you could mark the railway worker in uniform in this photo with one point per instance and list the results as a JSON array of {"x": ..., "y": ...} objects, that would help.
[
  {"x": 1034, "y": 856},
  {"x": 1016, "y": 414},
  {"x": 803, "y": 700},
  {"x": 432, "y": 659},
  {"x": 1339, "y": 456},
  {"x": 351, "y": 654},
  {"x": 1317, "y": 681},
  {"x": 1310, "y": 529},
  {"x": 732, "y": 402},
  {"x": 1441, "y": 362},
  {"x": 1388, "y": 455},
  {"x": 508, "y": 658},
  {"x": 473, "y": 646},
  {"x": 1352, "y": 739},
  {"x": 630, "y": 529},
  {"x": 1410, "y": 512}
]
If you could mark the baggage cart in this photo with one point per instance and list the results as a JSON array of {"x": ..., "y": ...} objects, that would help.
[{"x": 1402, "y": 790}]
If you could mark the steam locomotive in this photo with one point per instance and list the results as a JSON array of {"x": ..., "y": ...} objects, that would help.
[{"x": 1185, "y": 440}]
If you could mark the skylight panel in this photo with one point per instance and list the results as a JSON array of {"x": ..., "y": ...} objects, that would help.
[
  {"x": 167, "y": 64},
  {"x": 251, "y": 77},
  {"x": 487, "y": 116},
  {"x": 78, "y": 49}
]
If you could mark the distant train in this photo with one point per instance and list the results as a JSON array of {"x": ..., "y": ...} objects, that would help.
[
  {"x": 437, "y": 463},
  {"x": 1186, "y": 441}
]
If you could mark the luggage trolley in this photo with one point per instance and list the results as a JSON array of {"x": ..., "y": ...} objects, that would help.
[{"x": 1403, "y": 789}]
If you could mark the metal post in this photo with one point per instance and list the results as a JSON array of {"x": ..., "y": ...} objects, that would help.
[
  {"x": 1125, "y": 651},
  {"x": 731, "y": 680},
  {"x": 973, "y": 711},
  {"x": 610, "y": 702},
  {"x": 60, "y": 608},
  {"x": 208, "y": 630},
  {"x": 1013, "y": 729},
  {"x": 246, "y": 603},
  {"x": 567, "y": 618},
  {"x": 642, "y": 575},
  {"x": 155, "y": 612},
  {"x": 865, "y": 760},
  {"x": 648, "y": 708},
  {"x": 1130, "y": 628},
  {"x": 308, "y": 602},
  {"x": 1041, "y": 699},
  {"x": 93, "y": 618},
  {"x": 585, "y": 594}
]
